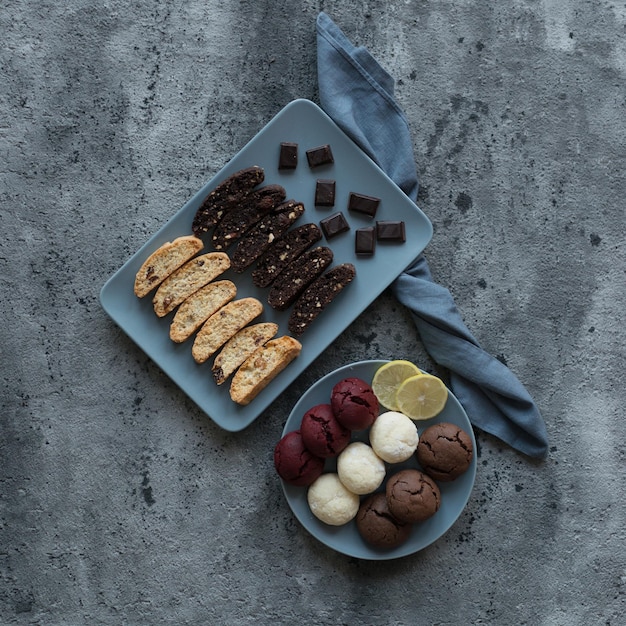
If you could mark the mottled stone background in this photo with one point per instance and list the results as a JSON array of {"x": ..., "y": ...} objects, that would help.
[{"x": 120, "y": 502}]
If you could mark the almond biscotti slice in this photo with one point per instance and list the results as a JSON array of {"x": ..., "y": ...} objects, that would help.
[
  {"x": 226, "y": 196},
  {"x": 259, "y": 369},
  {"x": 318, "y": 295},
  {"x": 222, "y": 325},
  {"x": 270, "y": 228},
  {"x": 297, "y": 276},
  {"x": 188, "y": 279},
  {"x": 239, "y": 347},
  {"x": 283, "y": 251},
  {"x": 165, "y": 260},
  {"x": 199, "y": 306},
  {"x": 239, "y": 220}
]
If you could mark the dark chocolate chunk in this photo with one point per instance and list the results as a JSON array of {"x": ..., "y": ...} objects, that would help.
[
  {"x": 288, "y": 159},
  {"x": 297, "y": 276},
  {"x": 390, "y": 231},
  {"x": 224, "y": 197},
  {"x": 365, "y": 240},
  {"x": 363, "y": 204},
  {"x": 334, "y": 224},
  {"x": 261, "y": 236},
  {"x": 283, "y": 251},
  {"x": 237, "y": 221},
  {"x": 320, "y": 156},
  {"x": 318, "y": 295},
  {"x": 325, "y": 193}
]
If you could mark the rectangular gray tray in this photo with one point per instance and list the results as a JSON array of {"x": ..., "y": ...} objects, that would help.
[{"x": 304, "y": 123}]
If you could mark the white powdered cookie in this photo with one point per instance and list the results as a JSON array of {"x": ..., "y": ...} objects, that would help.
[
  {"x": 262, "y": 367},
  {"x": 187, "y": 280},
  {"x": 240, "y": 347},
  {"x": 163, "y": 261},
  {"x": 222, "y": 325},
  {"x": 199, "y": 306}
]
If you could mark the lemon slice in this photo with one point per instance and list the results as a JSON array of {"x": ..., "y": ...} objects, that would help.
[
  {"x": 389, "y": 377},
  {"x": 421, "y": 397}
]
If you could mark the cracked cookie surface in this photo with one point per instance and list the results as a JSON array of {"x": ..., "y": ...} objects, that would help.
[
  {"x": 445, "y": 451},
  {"x": 412, "y": 496}
]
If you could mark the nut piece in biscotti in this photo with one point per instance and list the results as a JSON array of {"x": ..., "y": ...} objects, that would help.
[
  {"x": 239, "y": 347},
  {"x": 237, "y": 222},
  {"x": 187, "y": 279},
  {"x": 163, "y": 261},
  {"x": 261, "y": 236},
  {"x": 259, "y": 369},
  {"x": 298, "y": 275},
  {"x": 222, "y": 325},
  {"x": 318, "y": 296},
  {"x": 283, "y": 251},
  {"x": 199, "y": 306},
  {"x": 224, "y": 197}
]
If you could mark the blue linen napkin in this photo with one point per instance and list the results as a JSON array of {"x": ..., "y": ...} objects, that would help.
[{"x": 358, "y": 94}]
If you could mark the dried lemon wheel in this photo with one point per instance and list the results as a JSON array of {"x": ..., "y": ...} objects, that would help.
[
  {"x": 422, "y": 397},
  {"x": 389, "y": 377}
]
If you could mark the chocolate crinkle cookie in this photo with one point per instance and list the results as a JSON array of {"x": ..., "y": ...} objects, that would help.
[
  {"x": 377, "y": 526},
  {"x": 445, "y": 451},
  {"x": 412, "y": 496}
]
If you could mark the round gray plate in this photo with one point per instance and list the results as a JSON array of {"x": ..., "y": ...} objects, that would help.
[{"x": 346, "y": 539}]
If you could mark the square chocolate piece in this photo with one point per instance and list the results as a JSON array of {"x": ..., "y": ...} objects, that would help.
[
  {"x": 365, "y": 240},
  {"x": 334, "y": 224},
  {"x": 363, "y": 204},
  {"x": 325, "y": 193},
  {"x": 390, "y": 231},
  {"x": 288, "y": 159},
  {"x": 319, "y": 156}
]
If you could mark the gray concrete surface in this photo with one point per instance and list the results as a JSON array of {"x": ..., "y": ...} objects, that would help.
[{"x": 120, "y": 502}]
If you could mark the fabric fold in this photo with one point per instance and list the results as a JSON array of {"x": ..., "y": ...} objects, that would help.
[{"x": 358, "y": 94}]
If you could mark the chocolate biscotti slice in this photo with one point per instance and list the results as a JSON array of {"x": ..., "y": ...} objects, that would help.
[
  {"x": 239, "y": 347},
  {"x": 261, "y": 236},
  {"x": 199, "y": 306},
  {"x": 297, "y": 276},
  {"x": 222, "y": 325},
  {"x": 224, "y": 197},
  {"x": 187, "y": 279},
  {"x": 238, "y": 221},
  {"x": 283, "y": 251},
  {"x": 163, "y": 261},
  {"x": 259, "y": 369},
  {"x": 318, "y": 296}
]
